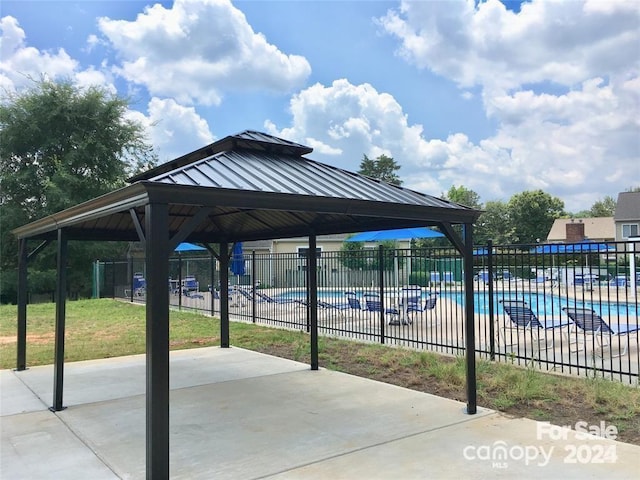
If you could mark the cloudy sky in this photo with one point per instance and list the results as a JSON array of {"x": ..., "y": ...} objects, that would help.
[{"x": 500, "y": 97}]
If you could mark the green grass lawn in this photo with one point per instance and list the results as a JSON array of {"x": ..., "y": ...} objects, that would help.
[{"x": 108, "y": 328}]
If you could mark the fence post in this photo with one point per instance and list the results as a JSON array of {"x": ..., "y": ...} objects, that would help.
[
  {"x": 131, "y": 273},
  {"x": 179, "y": 282},
  {"x": 113, "y": 279},
  {"x": 492, "y": 340},
  {"x": 381, "y": 289},
  {"x": 212, "y": 288},
  {"x": 255, "y": 287}
]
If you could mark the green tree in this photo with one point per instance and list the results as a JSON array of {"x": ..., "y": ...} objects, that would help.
[
  {"x": 355, "y": 256},
  {"x": 61, "y": 145},
  {"x": 532, "y": 213},
  {"x": 463, "y": 196},
  {"x": 494, "y": 224},
  {"x": 603, "y": 208},
  {"x": 383, "y": 168}
]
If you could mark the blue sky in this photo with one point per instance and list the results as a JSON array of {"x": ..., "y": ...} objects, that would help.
[{"x": 498, "y": 97}]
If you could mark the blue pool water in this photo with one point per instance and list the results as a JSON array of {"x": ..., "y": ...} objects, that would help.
[{"x": 544, "y": 305}]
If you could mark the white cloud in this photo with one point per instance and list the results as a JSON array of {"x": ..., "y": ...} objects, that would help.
[
  {"x": 20, "y": 64},
  {"x": 173, "y": 129},
  {"x": 351, "y": 121},
  {"x": 547, "y": 41},
  {"x": 198, "y": 49},
  {"x": 561, "y": 79}
]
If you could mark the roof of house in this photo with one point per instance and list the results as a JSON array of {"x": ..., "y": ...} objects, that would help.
[
  {"x": 627, "y": 207},
  {"x": 595, "y": 228}
]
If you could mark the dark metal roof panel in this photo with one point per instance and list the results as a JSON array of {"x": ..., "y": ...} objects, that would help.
[
  {"x": 247, "y": 140},
  {"x": 247, "y": 170}
]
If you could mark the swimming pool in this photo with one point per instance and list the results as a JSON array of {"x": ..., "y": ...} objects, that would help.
[{"x": 545, "y": 305}]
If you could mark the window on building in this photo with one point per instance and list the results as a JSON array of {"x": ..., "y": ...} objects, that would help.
[
  {"x": 630, "y": 230},
  {"x": 302, "y": 252}
]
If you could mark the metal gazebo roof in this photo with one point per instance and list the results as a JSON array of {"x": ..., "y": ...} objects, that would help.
[
  {"x": 249, "y": 186},
  {"x": 252, "y": 192}
]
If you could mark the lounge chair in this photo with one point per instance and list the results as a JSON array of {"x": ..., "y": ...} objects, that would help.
[
  {"x": 409, "y": 301},
  {"x": 352, "y": 304},
  {"x": 239, "y": 296},
  {"x": 245, "y": 296},
  {"x": 619, "y": 281},
  {"x": 191, "y": 287},
  {"x": 483, "y": 277},
  {"x": 262, "y": 297},
  {"x": 372, "y": 303},
  {"x": 589, "y": 322},
  {"x": 418, "y": 307},
  {"x": 138, "y": 287},
  {"x": 522, "y": 318}
]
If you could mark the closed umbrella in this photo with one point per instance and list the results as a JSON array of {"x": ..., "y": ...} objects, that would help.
[{"x": 237, "y": 260}]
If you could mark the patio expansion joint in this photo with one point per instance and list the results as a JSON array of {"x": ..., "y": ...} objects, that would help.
[
  {"x": 470, "y": 419},
  {"x": 233, "y": 380},
  {"x": 31, "y": 390},
  {"x": 87, "y": 443}
]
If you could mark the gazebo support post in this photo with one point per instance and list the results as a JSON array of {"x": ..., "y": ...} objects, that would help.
[
  {"x": 61, "y": 300},
  {"x": 224, "y": 294},
  {"x": 21, "y": 347},
  {"x": 157, "y": 336},
  {"x": 312, "y": 275},
  {"x": 470, "y": 337}
]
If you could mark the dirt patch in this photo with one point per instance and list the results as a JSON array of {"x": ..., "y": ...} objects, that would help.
[{"x": 41, "y": 339}]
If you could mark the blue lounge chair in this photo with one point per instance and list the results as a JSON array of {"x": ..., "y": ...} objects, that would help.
[
  {"x": 522, "y": 318},
  {"x": 418, "y": 307},
  {"x": 245, "y": 295},
  {"x": 262, "y": 297},
  {"x": 139, "y": 285},
  {"x": 351, "y": 305},
  {"x": 372, "y": 303},
  {"x": 619, "y": 281},
  {"x": 191, "y": 288},
  {"x": 589, "y": 322},
  {"x": 410, "y": 301},
  {"x": 483, "y": 277}
]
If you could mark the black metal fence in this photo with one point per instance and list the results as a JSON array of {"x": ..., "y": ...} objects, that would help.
[{"x": 566, "y": 308}]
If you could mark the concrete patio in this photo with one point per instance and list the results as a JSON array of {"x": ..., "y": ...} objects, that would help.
[{"x": 243, "y": 415}]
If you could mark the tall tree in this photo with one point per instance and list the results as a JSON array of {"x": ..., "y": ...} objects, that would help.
[
  {"x": 603, "y": 208},
  {"x": 61, "y": 145},
  {"x": 383, "y": 168},
  {"x": 494, "y": 224},
  {"x": 532, "y": 213},
  {"x": 463, "y": 196}
]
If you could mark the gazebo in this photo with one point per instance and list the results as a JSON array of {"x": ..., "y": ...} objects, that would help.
[{"x": 248, "y": 186}]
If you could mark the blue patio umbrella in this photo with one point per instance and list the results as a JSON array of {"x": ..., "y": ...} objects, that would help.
[
  {"x": 582, "y": 247},
  {"x": 550, "y": 248},
  {"x": 395, "y": 234},
  {"x": 237, "y": 260},
  {"x": 587, "y": 246},
  {"x": 188, "y": 247}
]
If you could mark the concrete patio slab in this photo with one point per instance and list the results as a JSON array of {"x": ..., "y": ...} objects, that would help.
[{"x": 240, "y": 414}]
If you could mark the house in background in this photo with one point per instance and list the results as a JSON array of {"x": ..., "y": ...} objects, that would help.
[
  {"x": 324, "y": 243},
  {"x": 627, "y": 216},
  {"x": 568, "y": 230}
]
